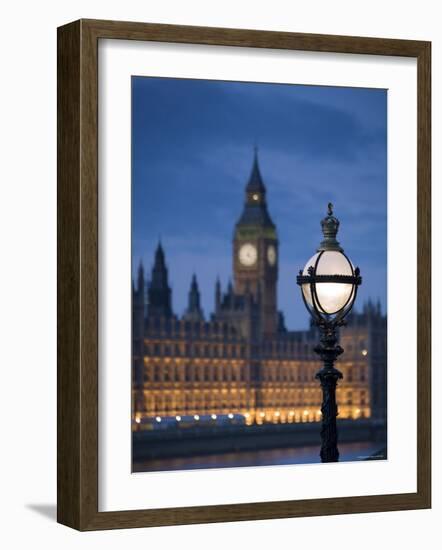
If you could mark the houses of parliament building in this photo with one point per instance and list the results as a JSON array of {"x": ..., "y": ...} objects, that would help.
[{"x": 242, "y": 361}]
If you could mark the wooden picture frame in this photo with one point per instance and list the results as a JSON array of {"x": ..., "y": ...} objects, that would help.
[{"x": 78, "y": 274}]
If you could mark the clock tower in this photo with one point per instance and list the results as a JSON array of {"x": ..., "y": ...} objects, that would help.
[{"x": 255, "y": 251}]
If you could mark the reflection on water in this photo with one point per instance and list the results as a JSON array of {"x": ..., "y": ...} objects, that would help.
[{"x": 268, "y": 457}]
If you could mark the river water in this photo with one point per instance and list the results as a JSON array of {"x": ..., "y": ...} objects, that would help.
[{"x": 267, "y": 457}]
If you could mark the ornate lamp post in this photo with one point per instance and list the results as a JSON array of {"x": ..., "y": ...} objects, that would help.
[{"x": 329, "y": 285}]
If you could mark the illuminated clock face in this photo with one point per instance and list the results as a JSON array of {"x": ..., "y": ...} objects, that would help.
[
  {"x": 248, "y": 254},
  {"x": 271, "y": 255}
]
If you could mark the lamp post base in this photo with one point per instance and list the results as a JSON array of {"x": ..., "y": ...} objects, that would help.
[
  {"x": 329, "y": 350},
  {"x": 329, "y": 432}
]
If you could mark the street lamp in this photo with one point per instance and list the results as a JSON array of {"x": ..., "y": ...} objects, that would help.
[{"x": 329, "y": 285}]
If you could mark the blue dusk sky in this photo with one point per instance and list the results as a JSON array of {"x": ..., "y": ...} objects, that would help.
[{"x": 192, "y": 153}]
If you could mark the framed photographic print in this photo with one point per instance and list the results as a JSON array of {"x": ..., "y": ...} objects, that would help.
[{"x": 243, "y": 275}]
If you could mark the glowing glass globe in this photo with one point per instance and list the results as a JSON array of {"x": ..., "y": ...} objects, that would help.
[{"x": 330, "y": 297}]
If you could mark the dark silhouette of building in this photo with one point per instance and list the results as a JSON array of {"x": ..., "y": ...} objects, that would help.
[
  {"x": 242, "y": 359},
  {"x": 159, "y": 292}
]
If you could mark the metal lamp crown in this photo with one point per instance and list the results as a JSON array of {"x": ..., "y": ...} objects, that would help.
[{"x": 330, "y": 228}]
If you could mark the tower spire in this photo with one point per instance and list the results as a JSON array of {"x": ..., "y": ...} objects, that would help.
[
  {"x": 159, "y": 291},
  {"x": 230, "y": 288},
  {"x": 255, "y": 183},
  {"x": 217, "y": 294},
  {"x": 159, "y": 255},
  {"x": 194, "y": 311},
  {"x": 139, "y": 291},
  {"x": 140, "y": 280},
  {"x": 255, "y": 211}
]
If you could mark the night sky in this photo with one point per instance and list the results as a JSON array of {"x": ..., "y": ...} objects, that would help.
[{"x": 192, "y": 152}]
